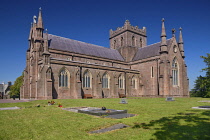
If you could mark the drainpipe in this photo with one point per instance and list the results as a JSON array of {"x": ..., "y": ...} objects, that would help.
[
  {"x": 125, "y": 83},
  {"x": 158, "y": 90}
]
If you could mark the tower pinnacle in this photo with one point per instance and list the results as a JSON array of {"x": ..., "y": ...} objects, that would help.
[
  {"x": 40, "y": 22},
  {"x": 181, "y": 43},
  {"x": 163, "y": 33},
  {"x": 34, "y": 19},
  {"x": 180, "y": 36},
  {"x": 163, "y": 47},
  {"x": 173, "y": 32},
  {"x": 46, "y": 43}
]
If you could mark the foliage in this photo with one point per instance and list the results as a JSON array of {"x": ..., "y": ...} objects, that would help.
[
  {"x": 155, "y": 119},
  {"x": 51, "y": 102},
  {"x": 15, "y": 89},
  {"x": 202, "y": 83}
]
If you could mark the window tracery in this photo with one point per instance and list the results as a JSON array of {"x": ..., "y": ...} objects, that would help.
[{"x": 63, "y": 78}]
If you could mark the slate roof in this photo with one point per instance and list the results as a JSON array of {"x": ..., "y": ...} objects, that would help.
[
  {"x": 149, "y": 51},
  {"x": 65, "y": 44}
]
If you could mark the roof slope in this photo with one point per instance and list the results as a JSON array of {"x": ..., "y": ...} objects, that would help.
[
  {"x": 65, "y": 44},
  {"x": 149, "y": 51}
]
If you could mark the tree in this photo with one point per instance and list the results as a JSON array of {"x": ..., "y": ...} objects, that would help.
[
  {"x": 202, "y": 84},
  {"x": 15, "y": 89}
]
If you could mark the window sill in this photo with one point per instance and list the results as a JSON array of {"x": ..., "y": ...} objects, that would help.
[
  {"x": 63, "y": 87},
  {"x": 87, "y": 88}
]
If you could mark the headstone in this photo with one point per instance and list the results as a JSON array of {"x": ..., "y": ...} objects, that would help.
[
  {"x": 170, "y": 99},
  {"x": 114, "y": 127},
  {"x": 123, "y": 101},
  {"x": 10, "y": 108}
]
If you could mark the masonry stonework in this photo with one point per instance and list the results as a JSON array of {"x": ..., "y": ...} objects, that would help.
[{"x": 62, "y": 68}]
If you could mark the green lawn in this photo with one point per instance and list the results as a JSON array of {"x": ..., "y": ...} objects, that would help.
[{"x": 156, "y": 119}]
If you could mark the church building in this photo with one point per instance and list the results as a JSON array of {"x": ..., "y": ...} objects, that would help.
[{"x": 62, "y": 68}]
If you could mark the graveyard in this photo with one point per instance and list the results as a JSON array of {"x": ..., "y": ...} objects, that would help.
[{"x": 152, "y": 118}]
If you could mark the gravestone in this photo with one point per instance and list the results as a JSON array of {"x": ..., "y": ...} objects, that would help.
[
  {"x": 123, "y": 101},
  {"x": 170, "y": 99},
  {"x": 114, "y": 127},
  {"x": 10, "y": 108}
]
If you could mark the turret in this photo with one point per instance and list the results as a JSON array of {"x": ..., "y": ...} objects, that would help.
[
  {"x": 39, "y": 25},
  {"x": 181, "y": 43},
  {"x": 46, "y": 43},
  {"x": 40, "y": 22},
  {"x": 163, "y": 46},
  {"x": 31, "y": 30},
  {"x": 46, "y": 54}
]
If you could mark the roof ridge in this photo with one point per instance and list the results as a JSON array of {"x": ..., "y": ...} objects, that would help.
[
  {"x": 157, "y": 43},
  {"x": 81, "y": 41}
]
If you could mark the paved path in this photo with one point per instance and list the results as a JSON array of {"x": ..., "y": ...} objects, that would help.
[{"x": 13, "y": 101}]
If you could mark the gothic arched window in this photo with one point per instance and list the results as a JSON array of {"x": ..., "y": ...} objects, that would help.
[
  {"x": 133, "y": 41},
  {"x": 140, "y": 42},
  {"x": 175, "y": 72},
  {"x": 87, "y": 79},
  {"x": 121, "y": 82},
  {"x": 63, "y": 78},
  {"x": 122, "y": 41},
  {"x": 114, "y": 44},
  {"x": 134, "y": 82},
  {"x": 105, "y": 81}
]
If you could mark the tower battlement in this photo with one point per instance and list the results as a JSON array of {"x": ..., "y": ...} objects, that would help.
[{"x": 128, "y": 27}]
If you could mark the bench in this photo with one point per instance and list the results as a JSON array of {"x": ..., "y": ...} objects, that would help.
[
  {"x": 88, "y": 96},
  {"x": 122, "y": 96}
]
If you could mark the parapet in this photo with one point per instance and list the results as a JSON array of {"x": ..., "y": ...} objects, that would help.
[{"x": 128, "y": 27}]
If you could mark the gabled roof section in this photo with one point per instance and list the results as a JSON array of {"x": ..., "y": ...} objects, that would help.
[
  {"x": 65, "y": 44},
  {"x": 149, "y": 51}
]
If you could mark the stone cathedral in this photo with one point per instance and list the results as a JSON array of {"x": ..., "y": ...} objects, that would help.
[{"x": 62, "y": 68}]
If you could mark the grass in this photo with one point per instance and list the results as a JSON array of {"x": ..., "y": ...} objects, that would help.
[{"x": 156, "y": 119}]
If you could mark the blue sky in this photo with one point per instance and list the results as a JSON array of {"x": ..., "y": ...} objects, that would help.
[{"x": 90, "y": 21}]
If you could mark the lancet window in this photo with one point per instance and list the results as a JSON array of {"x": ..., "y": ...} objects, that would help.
[
  {"x": 87, "y": 79},
  {"x": 134, "y": 82},
  {"x": 121, "y": 82},
  {"x": 175, "y": 72},
  {"x": 122, "y": 40},
  {"x": 63, "y": 78},
  {"x": 105, "y": 81},
  {"x": 140, "y": 42},
  {"x": 133, "y": 41}
]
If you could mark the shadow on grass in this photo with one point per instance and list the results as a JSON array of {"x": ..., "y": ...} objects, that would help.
[{"x": 183, "y": 126}]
